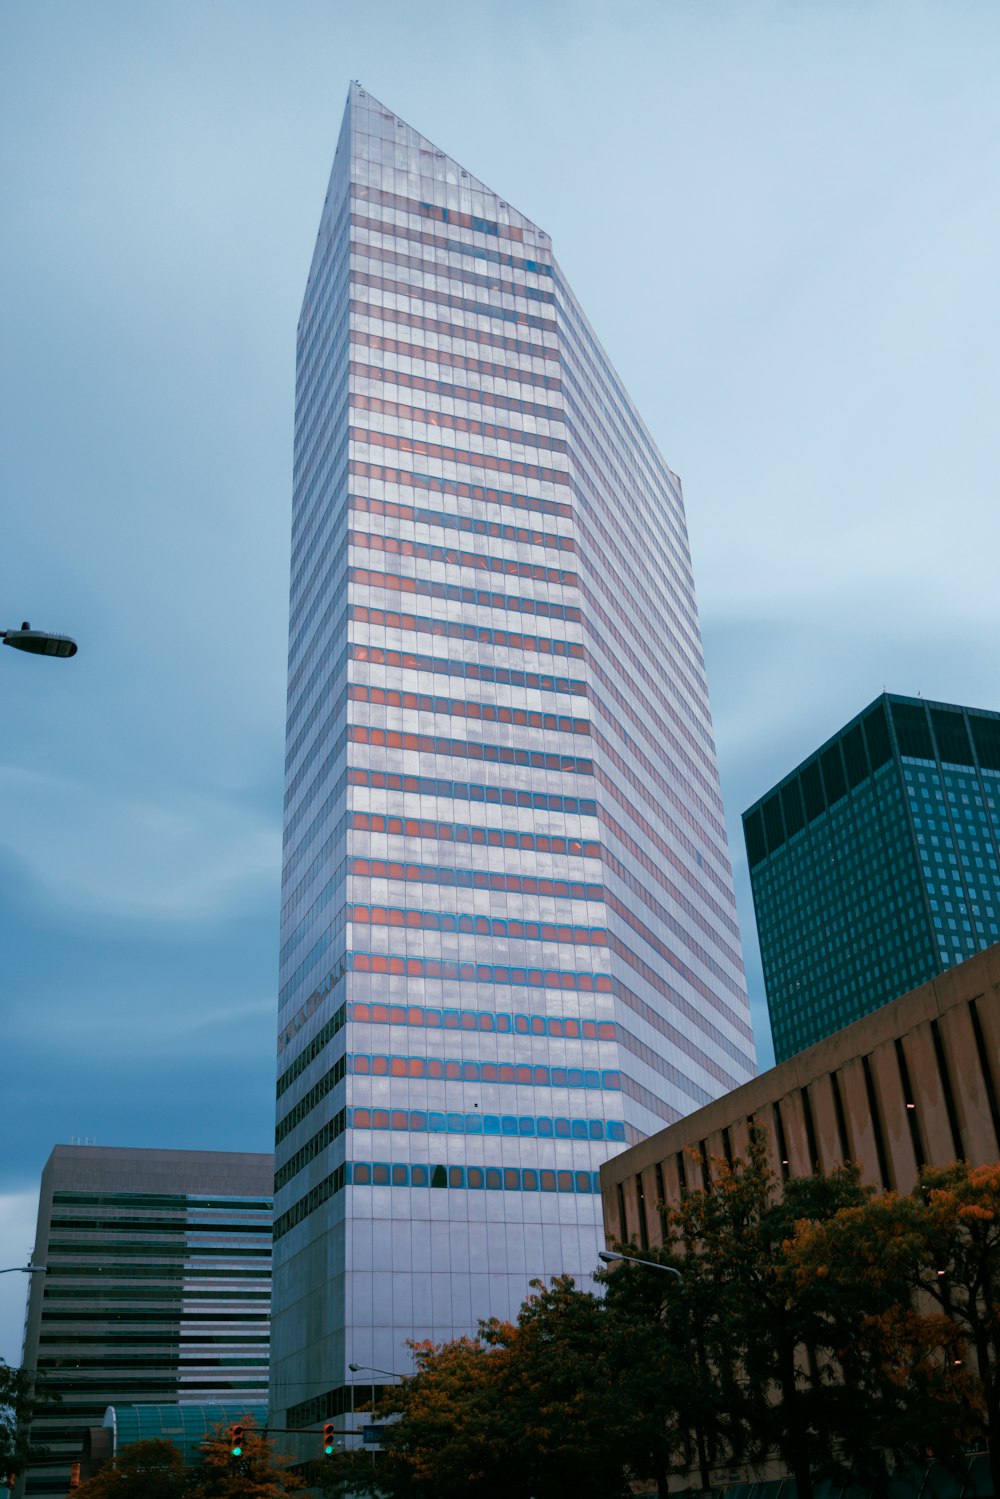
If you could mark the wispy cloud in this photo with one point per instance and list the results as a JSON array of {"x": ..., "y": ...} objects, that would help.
[{"x": 183, "y": 857}]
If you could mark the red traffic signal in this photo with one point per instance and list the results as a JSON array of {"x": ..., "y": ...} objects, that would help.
[
  {"x": 236, "y": 1441},
  {"x": 329, "y": 1446}
]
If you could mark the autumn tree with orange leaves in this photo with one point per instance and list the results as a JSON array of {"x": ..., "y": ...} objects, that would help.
[
  {"x": 942, "y": 1244},
  {"x": 259, "y": 1473},
  {"x": 528, "y": 1410},
  {"x": 846, "y": 1333}
]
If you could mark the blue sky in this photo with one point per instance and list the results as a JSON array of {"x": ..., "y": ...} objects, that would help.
[{"x": 782, "y": 221}]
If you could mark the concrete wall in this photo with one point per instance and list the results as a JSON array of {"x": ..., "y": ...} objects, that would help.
[{"x": 916, "y": 1082}]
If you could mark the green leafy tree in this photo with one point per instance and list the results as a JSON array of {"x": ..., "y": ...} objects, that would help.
[
  {"x": 564, "y": 1404},
  {"x": 22, "y": 1394},
  {"x": 761, "y": 1333},
  {"x": 151, "y": 1469},
  {"x": 260, "y": 1473},
  {"x": 658, "y": 1332}
]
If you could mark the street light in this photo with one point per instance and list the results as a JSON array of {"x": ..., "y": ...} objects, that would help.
[
  {"x": 25, "y": 1270},
  {"x": 38, "y": 642},
  {"x": 372, "y": 1369},
  {"x": 611, "y": 1257}
]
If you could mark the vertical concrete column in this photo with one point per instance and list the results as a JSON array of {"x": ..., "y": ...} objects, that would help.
[
  {"x": 651, "y": 1195},
  {"x": 988, "y": 1010},
  {"x": 716, "y": 1151},
  {"x": 631, "y": 1208},
  {"x": 971, "y": 1099},
  {"x": 672, "y": 1183},
  {"x": 859, "y": 1120},
  {"x": 896, "y": 1135},
  {"x": 739, "y": 1137},
  {"x": 824, "y": 1114},
  {"x": 794, "y": 1119},
  {"x": 928, "y": 1087}
]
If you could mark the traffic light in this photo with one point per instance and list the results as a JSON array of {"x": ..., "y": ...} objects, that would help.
[
  {"x": 328, "y": 1443},
  {"x": 236, "y": 1441}
]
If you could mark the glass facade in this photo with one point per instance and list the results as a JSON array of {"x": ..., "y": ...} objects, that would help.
[
  {"x": 875, "y": 864},
  {"x": 509, "y": 937},
  {"x": 158, "y": 1289}
]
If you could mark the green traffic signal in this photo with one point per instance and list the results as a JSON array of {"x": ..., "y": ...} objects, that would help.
[{"x": 236, "y": 1441}]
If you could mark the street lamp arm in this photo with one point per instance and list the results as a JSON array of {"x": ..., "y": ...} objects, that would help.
[
  {"x": 25, "y": 1270},
  {"x": 611, "y": 1257},
  {"x": 371, "y": 1369}
]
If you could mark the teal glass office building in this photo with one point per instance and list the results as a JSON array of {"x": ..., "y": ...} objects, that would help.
[{"x": 875, "y": 864}]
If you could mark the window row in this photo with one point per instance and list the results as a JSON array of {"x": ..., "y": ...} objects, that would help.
[
  {"x": 461, "y": 749},
  {"x": 482, "y": 926},
  {"x": 521, "y": 1126},
  {"x": 476, "y": 879},
  {"x": 449, "y": 520},
  {"x": 441, "y": 273},
  {"x": 447, "y": 666},
  {"x": 472, "y": 1178},
  {"x": 457, "y": 593},
  {"x": 387, "y": 245},
  {"x": 450, "y": 707},
  {"x": 412, "y": 296},
  {"x": 451, "y": 422},
  {"x": 423, "y": 354},
  {"x": 451, "y": 1069},
  {"x": 481, "y": 973},
  {"x": 395, "y": 546},
  {"x": 364, "y": 314},
  {"x": 473, "y": 395},
  {"x": 426, "y": 237},
  {"x": 453, "y": 832},
  {"x": 453, "y": 629},
  {"x": 481, "y": 1020},
  {"x": 500, "y": 796},
  {"x": 467, "y": 456}
]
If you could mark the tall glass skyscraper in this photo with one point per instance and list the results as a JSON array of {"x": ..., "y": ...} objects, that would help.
[
  {"x": 509, "y": 940},
  {"x": 875, "y": 864}
]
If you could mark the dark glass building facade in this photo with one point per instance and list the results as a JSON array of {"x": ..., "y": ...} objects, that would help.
[
  {"x": 509, "y": 939},
  {"x": 876, "y": 863}
]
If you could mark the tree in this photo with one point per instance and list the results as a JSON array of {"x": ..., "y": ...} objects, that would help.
[
  {"x": 761, "y": 1334},
  {"x": 657, "y": 1333},
  {"x": 960, "y": 1271},
  {"x": 935, "y": 1256},
  {"x": 527, "y": 1410},
  {"x": 260, "y": 1473},
  {"x": 22, "y": 1392},
  {"x": 446, "y": 1434},
  {"x": 563, "y": 1403},
  {"x": 837, "y": 1374},
  {"x": 151, "y": 1469}
]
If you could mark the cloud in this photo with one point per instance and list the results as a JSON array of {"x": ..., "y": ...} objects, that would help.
[
  {"x": 18, "y": 1217},
  {"x": 182, "y": 857}
]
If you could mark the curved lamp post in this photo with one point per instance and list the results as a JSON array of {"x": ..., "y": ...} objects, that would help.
[
  {"x": 372, "y": 1369},
  {"x": 38, "y": 642},
  {"x": 610, "y": 1257},
  {"x": 25, "y": 1270}
]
